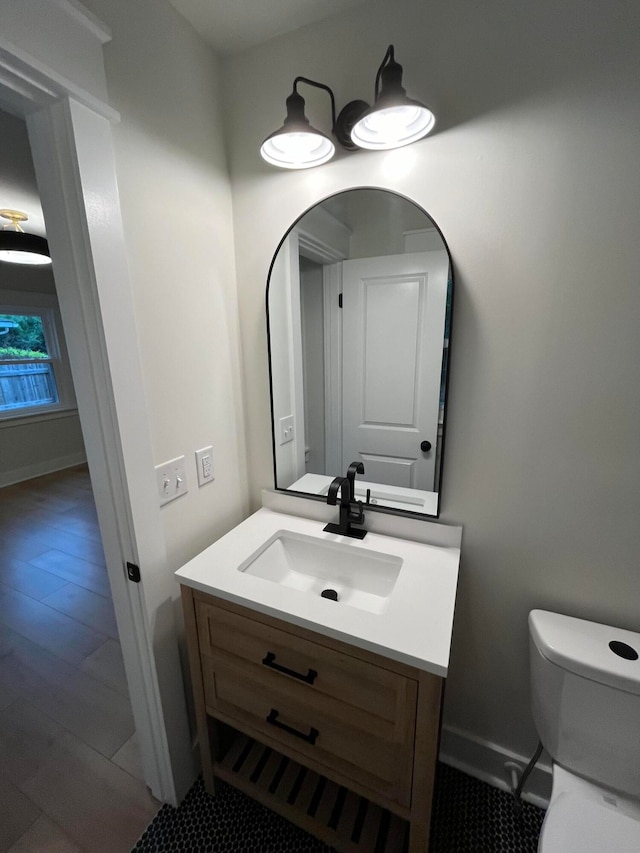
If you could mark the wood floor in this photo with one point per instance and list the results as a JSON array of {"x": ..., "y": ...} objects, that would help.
[{"x": 70, "y": 777}]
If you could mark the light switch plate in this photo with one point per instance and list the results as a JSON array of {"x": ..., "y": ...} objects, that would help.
[
  {"x": 204, "y": 465},
  {"x": 287, "y": 430},
  {"x": 172, "y": 480}
]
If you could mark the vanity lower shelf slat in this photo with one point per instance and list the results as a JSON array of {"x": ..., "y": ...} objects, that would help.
[{"x": 329, "y": 811}]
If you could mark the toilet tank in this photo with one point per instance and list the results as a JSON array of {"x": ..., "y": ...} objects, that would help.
[{"x": 585, "y": 687}]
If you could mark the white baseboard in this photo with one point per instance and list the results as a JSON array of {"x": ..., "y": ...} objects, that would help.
[
  {"x": 486, "y": 761},
  {"x": 38, "y": 469}
]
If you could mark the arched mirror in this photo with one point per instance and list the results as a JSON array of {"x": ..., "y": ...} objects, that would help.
[{"x": 359, "y": 304}]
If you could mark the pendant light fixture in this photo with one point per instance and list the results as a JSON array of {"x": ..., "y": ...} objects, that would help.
[
  {"x": 393, "y": 121},
  {"x": 298, "y": 145},
  {"x": 18, "y": 247}
]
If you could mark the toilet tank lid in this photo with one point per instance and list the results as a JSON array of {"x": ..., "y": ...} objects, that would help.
[{"x": 583, "y": 647}]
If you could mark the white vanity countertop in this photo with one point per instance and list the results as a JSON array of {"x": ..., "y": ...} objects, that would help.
[{"x": 414, "y": 629}]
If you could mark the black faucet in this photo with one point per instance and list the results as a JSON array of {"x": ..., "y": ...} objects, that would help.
[
  {"x": 348, "y": 515},
  {"x": 352, "y": 470}
]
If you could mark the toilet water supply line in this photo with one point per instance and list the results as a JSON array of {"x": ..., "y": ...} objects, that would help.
[{"x": 518, "y": 784}]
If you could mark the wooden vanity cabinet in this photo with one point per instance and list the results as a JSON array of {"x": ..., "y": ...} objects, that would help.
[{"x": 308, "y": 708}]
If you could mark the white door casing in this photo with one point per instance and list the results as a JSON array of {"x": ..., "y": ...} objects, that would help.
[
  {"x": 332, "y": 291},
  {"x": 325, "y": 240},
  {"x": 70, "y": 136},
  {"x": 286, "y": 363},
  {"x": 393, "y": 327},
  {"x": 313, "y": 381}
]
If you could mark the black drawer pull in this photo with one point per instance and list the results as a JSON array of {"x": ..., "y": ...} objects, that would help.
[
  {"x": 270, "y": 661},
  {"x": 272, "y": 718}
]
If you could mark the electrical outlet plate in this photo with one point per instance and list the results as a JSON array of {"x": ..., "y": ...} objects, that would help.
[
  {"x": 204, "y": 465},
  {"x": 172, "y": 480},
  {"x": 287, "y": 430}
]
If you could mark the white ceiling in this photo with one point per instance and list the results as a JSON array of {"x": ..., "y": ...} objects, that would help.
[{"x": 231, "y": 26}]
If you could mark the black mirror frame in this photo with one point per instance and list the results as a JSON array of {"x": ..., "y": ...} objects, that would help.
[{"x": 450, "y": 299}]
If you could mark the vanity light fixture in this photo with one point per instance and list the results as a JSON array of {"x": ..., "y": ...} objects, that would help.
[
  {"x": 393, "y": 121},
  {"x": 298, "y": 145},
  {"x": 18, "y": 247}
]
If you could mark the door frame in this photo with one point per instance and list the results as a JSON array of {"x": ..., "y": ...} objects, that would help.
[
  {"x": 70, "y": 136},
  {"x": 332, "y": 293},
  {"x": 330, "y": 256}
]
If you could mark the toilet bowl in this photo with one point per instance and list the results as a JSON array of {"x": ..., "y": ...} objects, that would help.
[
  {"x": 587, "y": 818},
  {"x": 585, "y": 687}
]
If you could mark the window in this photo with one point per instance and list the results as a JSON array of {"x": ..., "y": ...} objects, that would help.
[{"x": 34, "y": 376}]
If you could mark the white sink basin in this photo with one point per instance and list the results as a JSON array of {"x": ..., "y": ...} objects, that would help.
[{"x": 362, "y": 579}]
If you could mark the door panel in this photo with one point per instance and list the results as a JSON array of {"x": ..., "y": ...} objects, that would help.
[
  {"x": 390, "y": 312},
  {"x": 390, "y": 470}
]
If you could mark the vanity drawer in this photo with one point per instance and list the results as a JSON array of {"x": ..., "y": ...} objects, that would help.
[
  {"x": 281, "y": 658},
  {"x": 357, "y": 745},
  {"x": 281, "y": 687}
]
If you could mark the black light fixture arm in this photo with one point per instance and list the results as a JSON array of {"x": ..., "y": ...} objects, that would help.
[
  {"x": 389, "y": 79},
  {"x": 319, "y": 86},
  {"x": 340, "y": 126},
  {"x": 389, "y": 57}
]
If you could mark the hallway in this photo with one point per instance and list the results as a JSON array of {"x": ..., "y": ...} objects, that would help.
[{"x": 70, "y": 774}]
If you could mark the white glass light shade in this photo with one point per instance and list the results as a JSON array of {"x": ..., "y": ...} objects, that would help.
[
  {"x": 27, "y": 258},
  {"x": 297, "y": 149},
  {"x": 18, "y": 247},
  {"x": 393, "y": 126}
]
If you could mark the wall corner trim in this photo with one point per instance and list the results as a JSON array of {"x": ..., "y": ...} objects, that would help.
[{"x": 89, "y": 21}]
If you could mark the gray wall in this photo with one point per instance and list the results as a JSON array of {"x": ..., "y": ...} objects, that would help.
[
  {"x": 36, "y": 447},
  {"x": 175, "y": 199},
  {"x": 534, "y": 177}
]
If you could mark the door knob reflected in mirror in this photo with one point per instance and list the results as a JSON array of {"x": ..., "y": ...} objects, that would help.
[{"x": 425, "y": 446}]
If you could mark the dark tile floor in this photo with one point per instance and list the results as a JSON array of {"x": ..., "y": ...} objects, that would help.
[{"x": 468, "y": 817}]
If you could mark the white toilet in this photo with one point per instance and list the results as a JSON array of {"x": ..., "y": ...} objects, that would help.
[{"x": 585, "y": 684}]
